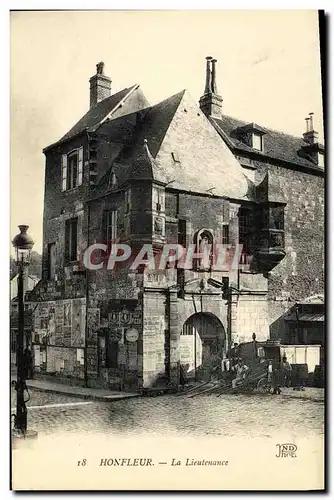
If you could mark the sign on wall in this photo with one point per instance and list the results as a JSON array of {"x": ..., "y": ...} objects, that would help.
[{"x": 132, "y": 335}]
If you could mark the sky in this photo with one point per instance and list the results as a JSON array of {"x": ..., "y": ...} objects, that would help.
[{"x": 268, "y": 72}]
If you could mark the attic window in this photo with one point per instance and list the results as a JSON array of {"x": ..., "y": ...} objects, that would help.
[
  {"x": 257, "y": 142},
  {"x": 321, "y": 160},
  {"x": 175, "y": 157}
]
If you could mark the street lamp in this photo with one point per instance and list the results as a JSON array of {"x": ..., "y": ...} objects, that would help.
[{"x": 23, "y": 244}]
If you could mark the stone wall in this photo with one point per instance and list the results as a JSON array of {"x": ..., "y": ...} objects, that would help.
[{"x": 301, "y": 273}]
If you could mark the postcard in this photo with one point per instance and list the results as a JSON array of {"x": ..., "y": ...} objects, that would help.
[{"x": 167, "y": 267}]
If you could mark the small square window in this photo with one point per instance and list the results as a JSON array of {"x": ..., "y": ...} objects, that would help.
[{"x": 257, "y": 142}]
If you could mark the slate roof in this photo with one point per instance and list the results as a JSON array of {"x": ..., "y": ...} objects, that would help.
[
  {"x": 151, "y": 124},
  {"x": 277, "y": 145},
  {"x": 155, "y": 122},
  {"x": 216, "y": 164},
  {"x": 96, "y": 114}
]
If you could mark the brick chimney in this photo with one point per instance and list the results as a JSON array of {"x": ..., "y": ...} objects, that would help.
[
  {"x": 310, "y": 136},
  {"x": 100, "y": 85},
  {"x": 211, "y": 102},
  {"x": 312, "y": 150}
]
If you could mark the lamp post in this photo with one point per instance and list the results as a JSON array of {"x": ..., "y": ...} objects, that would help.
[
  {"x": 23, "y": 244},
  {"x": 227, "y": 290}
]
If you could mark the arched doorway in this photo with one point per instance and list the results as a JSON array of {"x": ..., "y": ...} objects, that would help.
[{"x": 202, "y": 338}]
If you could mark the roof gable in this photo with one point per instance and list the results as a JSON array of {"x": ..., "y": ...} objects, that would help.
[{"x": 206, "y": 165}]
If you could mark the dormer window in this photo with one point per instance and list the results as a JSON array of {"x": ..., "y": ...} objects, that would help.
[
  {"x": 257, "y": 141},
  {"x": 252, "y": 135}
]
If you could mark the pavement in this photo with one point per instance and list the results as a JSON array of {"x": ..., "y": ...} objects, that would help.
[
  {"x": 310, "y": 393},
  {"x": 76, "y": 391},
  {"x": 243, "y": 415}
]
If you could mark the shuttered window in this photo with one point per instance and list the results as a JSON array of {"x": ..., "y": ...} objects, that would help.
[
  {"x": 64, "y": 172},
  {"x": 72, "y": 169},
  {"x": 80, "y": 166}
]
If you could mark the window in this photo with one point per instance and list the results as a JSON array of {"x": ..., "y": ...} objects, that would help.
[
  {"x": 257, "y": 142},
  {"x": 243, "y": 228},
  {"x": 71, "y": 239},
  {"x": 171, "y": 204},
  {"x": 110, "y": 228},
  {"x": 225, "y": 234},
  {"x": 71, "y": 168},
  {"x": 276, "y": 217},
  {"x": 127, "y": 201},
  {"x": 321, "y": 160},
  {"x": 244, "y": 233},
  {"x": 158, "y": 199},
  {"x": 51, "y": 260}
]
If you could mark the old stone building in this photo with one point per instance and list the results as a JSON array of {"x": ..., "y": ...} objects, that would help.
[{"x": 173, "y": 173}]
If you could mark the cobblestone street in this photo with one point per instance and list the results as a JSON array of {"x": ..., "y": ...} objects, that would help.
[{"x": 299, "y": 414}]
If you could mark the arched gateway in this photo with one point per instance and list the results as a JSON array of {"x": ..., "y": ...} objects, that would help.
[{"x": 202, "y": 338}]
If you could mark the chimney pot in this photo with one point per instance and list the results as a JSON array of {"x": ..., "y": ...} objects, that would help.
[
  {"x": 310, "y": 136},
  {"x": 100, "y": 68},
  {"x": 211, "y": 102}
]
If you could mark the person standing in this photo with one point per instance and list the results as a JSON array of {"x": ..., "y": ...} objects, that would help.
[
  {"x": 286, "y": 372},
  {"x": 276, "y": 378},
  {"x": 270, "y": 372}
]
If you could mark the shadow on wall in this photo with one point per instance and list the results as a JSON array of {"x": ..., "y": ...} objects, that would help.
[{"x": 279, "y": 329}]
